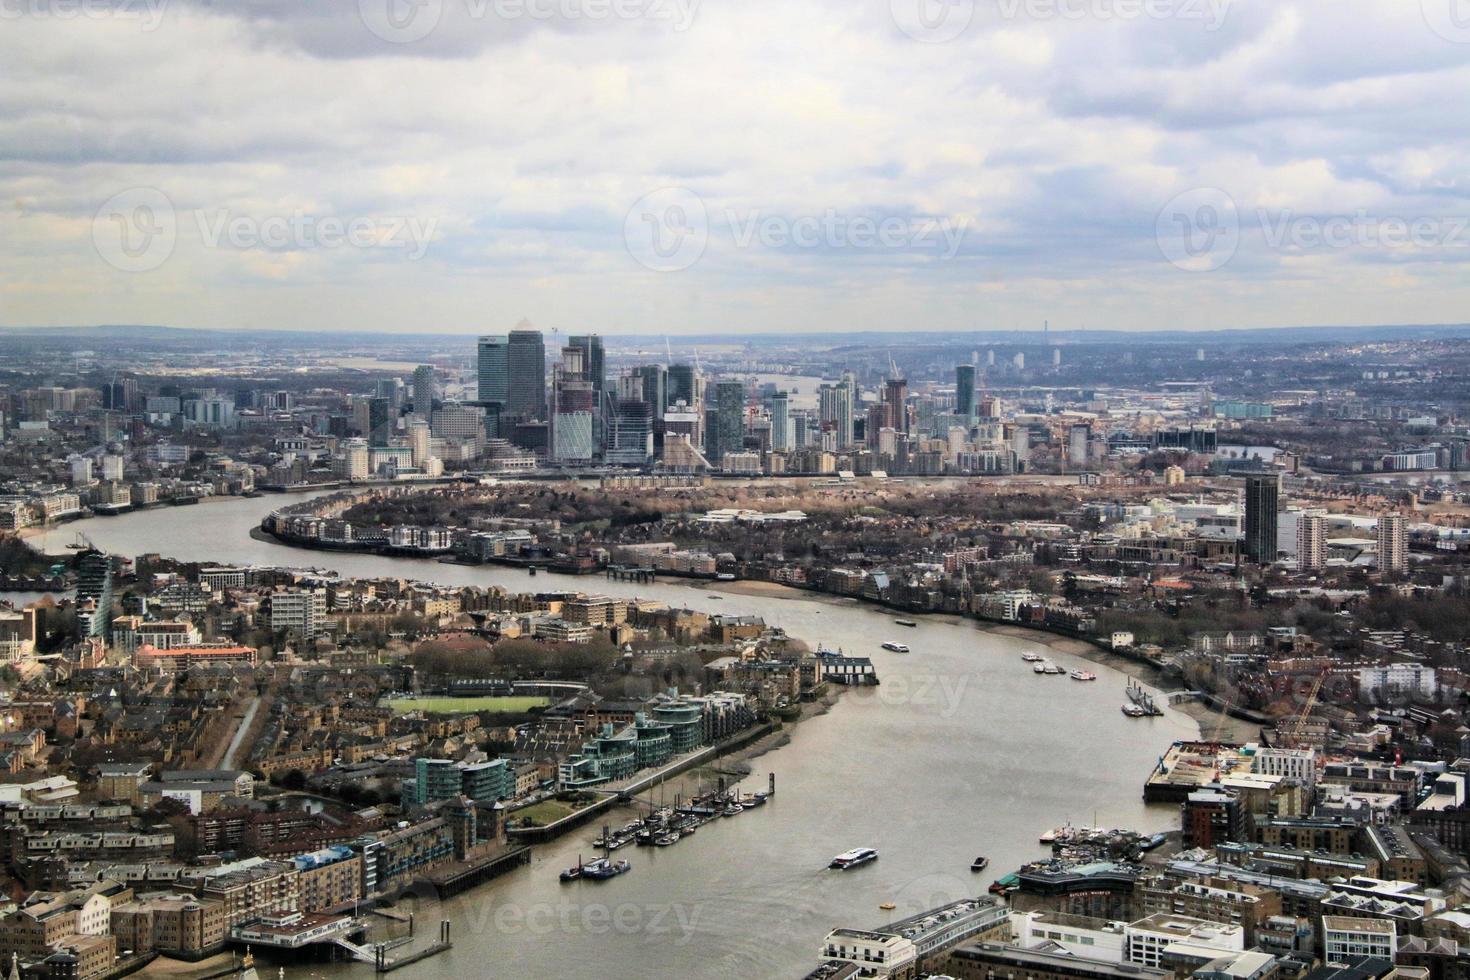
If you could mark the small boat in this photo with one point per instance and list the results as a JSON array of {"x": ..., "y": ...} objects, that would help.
[
  {"x": 664, "y": 840},
  {"x": 713, "y": 596},
  {"x": 855, "y": 858},
  {"x": 572, "y": 874},
  {"x": 1134, "y": 711},
  {"x": 906, "y": 622},
  {"x": 1083, "y": 675},
  {"x": 602, "y": 869},
  {"x": 887, "y": 906},
  {"x": 1032, "y": 658},
  {"x": 1005, "y": 885},
  {"x": 896, "y": 647},
  {"x": 732, "y": 810},
  {"x": 1054, "y": 669},
  {"x": 980, "y": 863},
  {"x": 1038, "y": 668},
  {"x": 755, "y": 799}
]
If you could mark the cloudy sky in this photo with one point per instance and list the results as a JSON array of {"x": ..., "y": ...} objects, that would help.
[{"x": 766, "y": 165}]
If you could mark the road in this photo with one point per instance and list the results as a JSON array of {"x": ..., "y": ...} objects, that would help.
[{"x": 228, "y": 762}]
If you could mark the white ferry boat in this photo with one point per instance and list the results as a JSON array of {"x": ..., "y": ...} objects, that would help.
[
  {"x": 854, "y": 858},
  {"x": 896, "y": 647}
]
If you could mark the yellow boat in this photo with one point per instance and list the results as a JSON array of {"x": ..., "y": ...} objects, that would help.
[{"x": 887, "y": 906}]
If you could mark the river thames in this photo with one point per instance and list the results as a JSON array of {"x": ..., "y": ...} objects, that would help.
[{"x": 962, "y": 750}]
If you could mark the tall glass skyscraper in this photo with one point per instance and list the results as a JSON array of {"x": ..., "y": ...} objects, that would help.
[
  {"x": 964, "y": 386},
  {"x": 730, "y": 419},
  {"x": 526, "y": 397},
  {"x": 1262, "y": 498},
  {"x": 494, "y": 369}
]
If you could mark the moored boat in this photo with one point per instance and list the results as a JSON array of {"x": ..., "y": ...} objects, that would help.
[
  {"x": 980, "y": 863},
  {"x": 896, "y": 647}
]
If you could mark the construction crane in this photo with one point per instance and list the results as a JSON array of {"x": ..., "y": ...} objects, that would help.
[{"x": 1299, "y": 720}]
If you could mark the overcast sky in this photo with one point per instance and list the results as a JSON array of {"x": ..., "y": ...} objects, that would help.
[{"x": 766, "y": 165}]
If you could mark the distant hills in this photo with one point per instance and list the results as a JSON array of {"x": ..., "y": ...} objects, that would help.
[{"x": 196, "y": 337}]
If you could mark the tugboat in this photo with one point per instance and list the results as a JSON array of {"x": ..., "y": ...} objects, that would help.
[
  {"x": 572, "y": 874},
  {"x": 980, "y": 863},
  {"x": 603, "y": 869},
  {"x": 857, "y": 857}
]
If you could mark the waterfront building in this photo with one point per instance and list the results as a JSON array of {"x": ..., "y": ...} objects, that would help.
[
  {"x": 1150, "y": 941},
  {"x": 992, "y": 961}
]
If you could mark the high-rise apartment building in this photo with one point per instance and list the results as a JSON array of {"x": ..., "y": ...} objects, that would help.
[
  {"x": 729, "y": 435},
  {"x": 964, "y": 390},
  {"x": 896, "y": 398},
  {"x": 655, "y": 387},
  {"x": 783, "y": 432},
  {"x": 1262, "y": 501},
  {"x": 1393, "y": 544},
  {"x": 682, "y": 385},
  {"x": 834, "y": 411},
  {"x": 1311, "y": 542},
  {"x": 423, "y": 390}
]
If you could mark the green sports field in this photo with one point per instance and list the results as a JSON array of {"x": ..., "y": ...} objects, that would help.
[{"x": 455, "y": 706}]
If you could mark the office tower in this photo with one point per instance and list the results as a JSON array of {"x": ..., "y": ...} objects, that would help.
[
  {"x": 896, "y": 397},
  {"x": 1393, "y": 544},
  {"x": 573, "y": 406},
  {"x": 1311, "y": 542},
  {"x": 1056, "y": 357},
  {"x": 681, "y": 385},
  {"x": 990, "y": 358},
  {"x": 526, "y": 396},
  {"x": 783, "y": 436},
  {"x": 1077, "y": 441},
  {"x": 834, "y": 411},
  {"x": 655, "y": 387},
  {"x": 455, "y": 421},
  {"x": 1020, "y": 360},
  {"x": 494, "y": 370},
  {"x": 94, "y": 594},
  {"x": 964, "y": 391},
  {"x": 392, "y": 389},
  {"x": 423, "y": 390},
  {"x": 729, "y": 437},
  {"x": 593, "y": 360},
  {"x": 380, "y": 421},
  {"x": 630, "y": 435},
  {"x": 1262, "y": 497}
]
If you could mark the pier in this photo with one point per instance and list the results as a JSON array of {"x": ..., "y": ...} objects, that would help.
[{"x": 627, "y": 573}]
